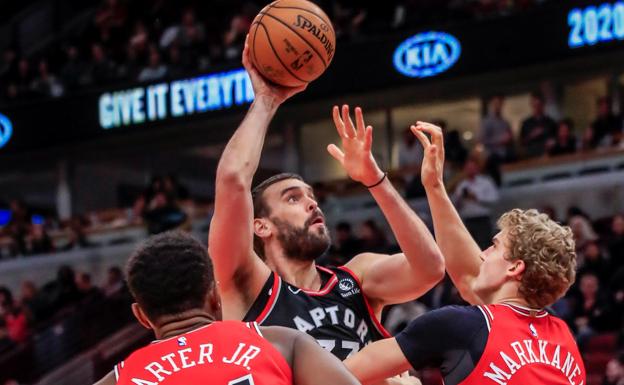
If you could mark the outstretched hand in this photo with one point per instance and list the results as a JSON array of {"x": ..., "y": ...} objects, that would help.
[
  {"x": 355, "y": 156},
  {"x": 261, "y": 86},
  {"x": 432, "y": 172}
]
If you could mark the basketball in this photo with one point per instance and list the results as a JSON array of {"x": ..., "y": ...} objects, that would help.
[{"x": 292, "y": 42}]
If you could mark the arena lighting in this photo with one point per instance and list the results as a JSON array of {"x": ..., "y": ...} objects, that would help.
[
  {"x": 596, "y": 24},
  {"x": 426, "y": 54},
  {"x": 175, "y": 99},
  {"x": 6, "y": 130}
]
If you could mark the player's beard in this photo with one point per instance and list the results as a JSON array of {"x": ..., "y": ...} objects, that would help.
[{"x": 302, "y": 243}]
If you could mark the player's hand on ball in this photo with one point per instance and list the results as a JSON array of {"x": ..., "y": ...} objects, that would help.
[
  {"x": 262, "y": 87},
  {"x": 432, "y": 173},
  {"x": 355, "y": 156}
]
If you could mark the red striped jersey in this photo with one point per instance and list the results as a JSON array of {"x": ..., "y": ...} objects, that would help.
[{"x": 221, "y": 353}]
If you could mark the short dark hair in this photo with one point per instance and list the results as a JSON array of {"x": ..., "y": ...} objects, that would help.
[
  {"x": 260, "y": 207},
  {"x": 169, "y": 273}
]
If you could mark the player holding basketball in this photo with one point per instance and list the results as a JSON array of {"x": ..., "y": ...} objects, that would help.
[
  {"x": 263, "y": 244},
  {"x": 170, "y": 277},
  {"x": 507, "y": 338}
]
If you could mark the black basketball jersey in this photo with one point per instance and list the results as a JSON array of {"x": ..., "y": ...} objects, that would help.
[{"x": 338, "y": 316}]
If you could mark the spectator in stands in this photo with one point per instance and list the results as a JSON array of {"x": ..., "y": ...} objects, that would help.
[
  {"x": 234, "y": 38},
  {"x": 565, "y": 142},
  {"x": 139, "y": 41},
  {"x": 614, "y": 373},
  {"x": 177, "y": 67},
  {"x": 348, "y": 17},
  {"x": 593, "y": 261},
  {"x": 47, "y": 84},
  {"x": 102, "y": 69},
  {"x": 110, "y": 19},
  {"x": 171, "y": 186},
  {"x": 583, "y": 231},
  {"x": 31, "y": 301},
  {"x": 62, "y": 292},
  {"x": 73, "y": 71},
  {"x": 454, "y": 151},
  {"x": 474, "y": 197},
  {"x": 606, "y": 130},
  {"x": 410, "y": 160},
  {"x": 24, "y": 76},
  {"x": 372, "y": 238},
  {"x": 590, "y": 309},
  {"x": 40, "y": 241},
  {"x": 17, "y": 228},
  {"x": 537, "y": 129},
  {"x": 88, "y": 292},
  {"x": 77, "y": 237},
  {"x": 163, "y": 213},
  {"x": 114, "y": 284},
  {"x": 14, "y": 317},
  {"x": 9, "y": 57},
  {"x": 129, "y": 69},
  {"x": 495, "y": 133},
  {"x": 346, "y": 245},
  {"x": 615, "y": 242},
  {"x": 155, "y": 70}
]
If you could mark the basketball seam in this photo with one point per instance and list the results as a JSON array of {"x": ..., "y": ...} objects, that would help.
[
  {"x": 308, "y": 11},
  {"x": 255, "y": 57},
  {"x": 277, "y": 56},
  {"x": 302, "y": 38}
]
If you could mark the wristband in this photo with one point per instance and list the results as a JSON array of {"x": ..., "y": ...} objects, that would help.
[{"x": 385, "y": 174}]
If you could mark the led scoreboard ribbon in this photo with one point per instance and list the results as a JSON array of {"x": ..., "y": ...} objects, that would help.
[{"x": 596, "y": 24}]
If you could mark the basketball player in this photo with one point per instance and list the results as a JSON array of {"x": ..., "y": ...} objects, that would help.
[
  {"x": 507, "y": 337},
  {"x": 263, "y": 244},
  {"x": 170, "y": 277}
]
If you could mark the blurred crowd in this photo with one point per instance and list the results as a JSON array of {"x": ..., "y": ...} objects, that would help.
[
  {"x": 143, "y": 40},
  {"x": 33, "y": 308},
  {"x": 25, "y": 231}
]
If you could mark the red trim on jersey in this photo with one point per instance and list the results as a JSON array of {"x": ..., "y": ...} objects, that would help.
[
  {"x": 328, "y": 286},
  {"x": 271, "y": 302},
  {"x": 372, "y": 315},
  {"x": 526, "y": 311}
]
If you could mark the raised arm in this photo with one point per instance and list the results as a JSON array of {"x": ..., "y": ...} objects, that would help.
[
  {"x": 387, "y": 278},
  {"x": 239, "y": 272},
  {"x": 461, "y": 252}
]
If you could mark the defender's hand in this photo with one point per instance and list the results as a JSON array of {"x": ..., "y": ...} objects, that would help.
[
  {"x": 355, "y": 156},
  {"x": 433, "y": 162}
]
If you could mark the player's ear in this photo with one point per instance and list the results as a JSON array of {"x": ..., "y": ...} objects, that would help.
[
  {"x": 213, "y": 302},
  {"x": 262, "y": 227},
  {"x": 516, "y": 268},
  {"x": 139, "y": 314}
]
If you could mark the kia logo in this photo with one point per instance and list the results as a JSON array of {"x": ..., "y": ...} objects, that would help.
[
  {"x": 6, "y": 129},
  {"x": 426, "y": 54}
]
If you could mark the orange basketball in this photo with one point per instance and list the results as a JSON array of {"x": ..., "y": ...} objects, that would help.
[{"x": 292, "y": 42}]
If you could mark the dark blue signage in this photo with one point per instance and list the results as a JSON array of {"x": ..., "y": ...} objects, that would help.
[
  {"x": 175, "y": 99},
  {"x": 6, "y": 130},
  {"x": 426, "y": 54},
  {"x": 596, "y": 24}
]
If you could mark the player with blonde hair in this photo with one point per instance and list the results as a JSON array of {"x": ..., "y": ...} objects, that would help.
[{"x": 506, "y": 337}]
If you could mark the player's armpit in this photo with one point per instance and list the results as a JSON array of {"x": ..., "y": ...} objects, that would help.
[
  {"x": 391, "y": 279},
  {"x": 313, "y": 365},
  {"x": 108, "y": 379},
  {"x": 377, "y": 362}
]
